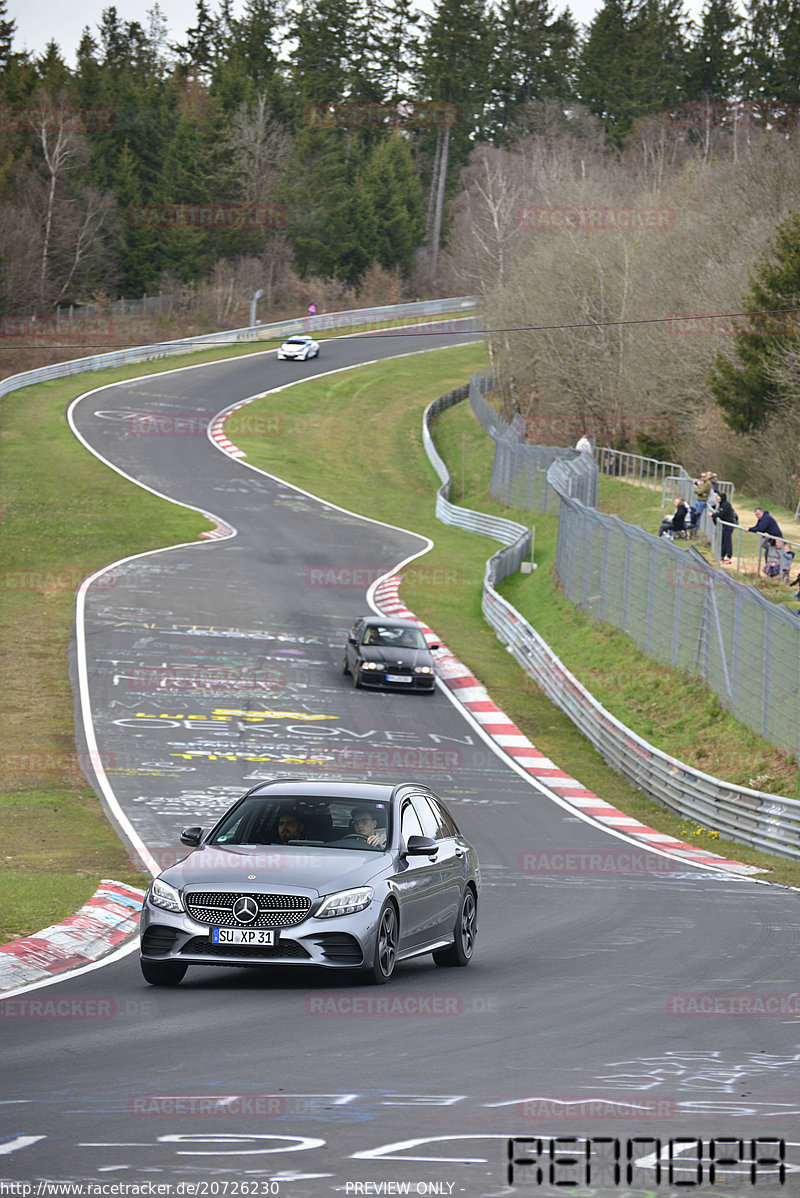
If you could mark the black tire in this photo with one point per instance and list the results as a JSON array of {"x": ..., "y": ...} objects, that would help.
[
  {"x": 356, "y": 679},
  {"x": 385, "y": 956},
  {"x": 460, "y": 952},
  {"x": 344, "y": 666},
  {"x": 163, "y": 973}
]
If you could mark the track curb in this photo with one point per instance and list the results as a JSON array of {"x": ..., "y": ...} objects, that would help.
[
  {"x": 471, "y": 694},
  {"x": 109, "y": 917}
]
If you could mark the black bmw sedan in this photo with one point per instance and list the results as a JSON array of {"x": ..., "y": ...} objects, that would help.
[{"x": 389, "y": 653}]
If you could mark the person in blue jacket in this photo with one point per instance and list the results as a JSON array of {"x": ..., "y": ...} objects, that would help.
[{"x": 766, "y": 524}]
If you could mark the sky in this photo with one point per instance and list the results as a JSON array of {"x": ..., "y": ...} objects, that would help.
[{"x": 41, "y": 21}]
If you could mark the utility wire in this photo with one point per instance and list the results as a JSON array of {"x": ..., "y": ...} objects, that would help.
[{"x": 526, "y": 328}]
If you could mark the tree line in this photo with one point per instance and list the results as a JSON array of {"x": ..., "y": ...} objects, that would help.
[{"x": 327, "y": 137}]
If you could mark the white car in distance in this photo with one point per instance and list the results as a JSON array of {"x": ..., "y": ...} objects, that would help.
[{"x": 299, "y": 348}]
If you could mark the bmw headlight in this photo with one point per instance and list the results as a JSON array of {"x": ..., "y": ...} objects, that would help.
[
  {"x": 346, "y": 902},
  {"x": 166, "y": 896},
  {"x": 423, "y": 669},
  {"x": 372, "y": 665}
]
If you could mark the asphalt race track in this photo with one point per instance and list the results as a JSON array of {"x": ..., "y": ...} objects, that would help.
[{"x": 620, "y": 1006}]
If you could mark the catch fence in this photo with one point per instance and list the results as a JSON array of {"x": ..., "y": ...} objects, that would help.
[{"x": 704, "y": 625}]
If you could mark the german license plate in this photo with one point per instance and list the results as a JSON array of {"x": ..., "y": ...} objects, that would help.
[
  {"x": 266, "y": 936},
  {"x": 398, "y": 678}
]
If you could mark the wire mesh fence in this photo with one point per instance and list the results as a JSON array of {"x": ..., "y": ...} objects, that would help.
[
  {"x": 520, "y": 469},
  {"x": 626, "y": 565},
  {"x": 675, "y": 605}
]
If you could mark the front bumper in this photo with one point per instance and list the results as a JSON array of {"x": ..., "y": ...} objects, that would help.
[
  {"x": 378, "y": 679},
  {"x": 342, "y": 943}
]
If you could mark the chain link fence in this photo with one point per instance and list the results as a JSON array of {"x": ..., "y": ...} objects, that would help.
[
  {"x": 676, "y": 606},
  {"x": 520, "y": 469},
  {"x": 604, "y": 554}
]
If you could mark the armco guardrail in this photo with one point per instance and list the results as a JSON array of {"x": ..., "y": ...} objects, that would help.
[
  {"x": 285, "y": 328},
  {"x": 513, "y": 535},
  {"x": 752, "y": 817}
]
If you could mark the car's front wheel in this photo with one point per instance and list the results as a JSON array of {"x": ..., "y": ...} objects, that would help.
[
  {"x": 356, "y": 677},
  {"x": 163, "y": 973},
  {"x": 385, "y": 956},
  {"x": 460, "y": 952}
]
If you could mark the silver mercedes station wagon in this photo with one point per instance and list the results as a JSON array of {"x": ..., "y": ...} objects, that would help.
[{"x": 354, "y": 876}]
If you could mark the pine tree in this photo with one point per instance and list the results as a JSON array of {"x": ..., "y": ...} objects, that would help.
[
  {"x": 395, "y": 48},
  {"x": 395, "y": 193},
  {"x": 140, "y": 260},
  {"x": 534, "y": 57},
  {"x": 745, "y": 388},
  {"x": 606, "y": 69},
  {"x": 634, "y": 62},
  {"x": 7, "y": 31},
  {"x": 772, "y": 52},
  {"x": 714, "y": 69}
]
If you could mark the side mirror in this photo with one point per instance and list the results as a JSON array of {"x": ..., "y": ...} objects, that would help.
[
  {"x": 192, "y": 836},
  {"x": 351, "y": 640},
  {"x": 432, "y": 647},
  {"x": 421, "y": 846}
]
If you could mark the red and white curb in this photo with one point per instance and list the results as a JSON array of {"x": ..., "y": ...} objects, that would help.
[
  {"x": 217, "y": 433},
  {"x": 505, "y": 733},
  {"x": 219, "y": 532},
  {"x": 110, "y": 916}
]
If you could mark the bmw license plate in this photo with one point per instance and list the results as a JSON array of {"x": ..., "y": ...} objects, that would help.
[
  {"x": 265, "y": 936},
  {"x": 398, "y": 678}
]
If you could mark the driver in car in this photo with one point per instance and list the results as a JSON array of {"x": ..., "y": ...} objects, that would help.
[
  {"x": 365, "y": 824},
  {"x": 290, "y": 827}
]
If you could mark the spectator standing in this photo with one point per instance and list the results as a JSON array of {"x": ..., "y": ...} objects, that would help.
[
  {"x": 702, "y": 490},
  {"x": 714, "y": 495},
  {"x": 725, "y": 512}
]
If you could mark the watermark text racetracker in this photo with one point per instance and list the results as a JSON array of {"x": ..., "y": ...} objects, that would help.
[
  {"x": 608, "y": 861},
  {"x": 206, "y": 216},
  {"x": 52, "y": 580},
  {"x": 360, "y": 577},
  {"x": 196, "y": 424},
  {"x": 399, "y": 1006},
  {"x": 603, "y": 218}
]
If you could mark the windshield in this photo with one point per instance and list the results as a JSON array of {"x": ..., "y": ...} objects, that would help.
[
  {"x": 339, "y": 823},
  {"x": 395, "y": 638}
]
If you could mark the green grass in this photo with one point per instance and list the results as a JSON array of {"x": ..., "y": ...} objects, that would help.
[{"x": 379, "y": 407}]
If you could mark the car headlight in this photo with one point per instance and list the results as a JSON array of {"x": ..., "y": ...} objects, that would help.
[
  {"x": 423, "y": 669},
  {"x": 346, "y": 902},
  {"x": 166, "y": 896},
  {"x": 372, "y": 665}
]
